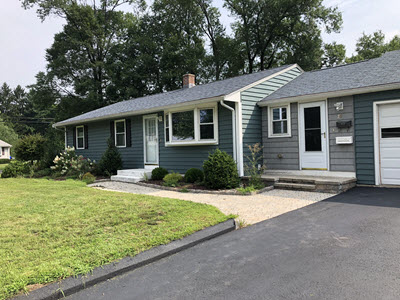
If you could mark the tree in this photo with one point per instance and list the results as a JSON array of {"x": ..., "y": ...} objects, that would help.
[
  {"x": 272, "y": 31},
  {"x": 79, "y": 61},
  {"x": 7, "y": 133},
  {"x": 372, "y": 46},
  {"x": 334, "y": 55}
]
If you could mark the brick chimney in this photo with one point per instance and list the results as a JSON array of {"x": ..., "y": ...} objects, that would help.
[{"x": 189, "y": 80}]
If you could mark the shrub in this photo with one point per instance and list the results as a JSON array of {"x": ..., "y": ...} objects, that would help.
[
  {"x": 16, "y": 168},
  {"x": 88, "y": 178},
  {"x": 254, "y": 168},
  {"x": 70, "y": 164},
  {"x": 111, "y": 160},
  {"x": 30, "y": 148},
  {"x": 53, "y": 146},
  {"x": 172, "y": 179},
  {"x": 194, "y": 175},
  {"x": 42, "y": 173},
  {"x": 4, "y": 161},
  {"x": 220, "y": 171},
  {"x": 158, "y": 173}
]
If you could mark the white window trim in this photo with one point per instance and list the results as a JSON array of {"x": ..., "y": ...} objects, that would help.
[
  {"x": 77, "y": 144},
  {"x": 197, "y": 140},
  {"x": 115, "y": 133},
  {"x": 270, "y": 121}
]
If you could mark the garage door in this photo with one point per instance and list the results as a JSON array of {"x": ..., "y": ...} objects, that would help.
[{"x": 389, "y": 127}]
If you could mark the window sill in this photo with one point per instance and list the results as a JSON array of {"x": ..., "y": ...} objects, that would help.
[
  {"x": 196, "y": 143},
  {"x": 279, "y": 136}
]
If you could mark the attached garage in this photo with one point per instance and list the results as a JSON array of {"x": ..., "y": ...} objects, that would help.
[{"x": 387, "y": 142}]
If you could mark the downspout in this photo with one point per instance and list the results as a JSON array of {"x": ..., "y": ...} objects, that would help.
[{"x": 233, "y": 130}]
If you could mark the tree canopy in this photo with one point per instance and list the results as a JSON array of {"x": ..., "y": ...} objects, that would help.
[{"x": 113, "y": 50}]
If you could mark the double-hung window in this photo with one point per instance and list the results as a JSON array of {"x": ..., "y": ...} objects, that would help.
[
  {"x": 120, "y": 133},
  {"x": 80, "y": 137},
  {"x": 279, "y": 121},
  {"x": 193, "y": 126}
]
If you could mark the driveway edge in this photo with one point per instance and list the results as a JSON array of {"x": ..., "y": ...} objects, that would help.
[{"x": 72, "y": 285}]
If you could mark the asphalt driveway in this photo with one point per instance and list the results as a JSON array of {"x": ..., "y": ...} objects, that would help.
[{"x": 345, "y": 247}]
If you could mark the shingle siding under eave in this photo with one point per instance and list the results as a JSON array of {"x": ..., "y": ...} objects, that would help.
[
  {"x": 99, "y": 133},
  {"x": 178, "y": 159},
  {"x": 288, "y": 147},
  {"x": 181, "y": 158},
  {"x": 251, "y": 112},
  {"x": 364, "y": 133},
  {"x": 342, "y": 157}
]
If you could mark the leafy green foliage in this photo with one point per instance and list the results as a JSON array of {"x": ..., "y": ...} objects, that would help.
[
  {"x": 16, "y": 168},
  {"x": 30, "y": 148},
  {"x": 4, "y": 161},
  {"x": 71, "y": 165},
  {"x": 158, "y": 173},
  {"x": 254, "y": 166},
  {"x": 220, "y": 171},
  {"x": 111, "y": 160},
  {"x": 7, "y": 134},
  {"x": 334, "y": 55},
  {"x": 246, "y": 190},
  {"x": 194, "y": 175},
  {"x": 88, "y": 178},
  {"x": 58, "y": 220},
  {"x": 373, "y": 45},
  {"x": 172, "y": 179}
]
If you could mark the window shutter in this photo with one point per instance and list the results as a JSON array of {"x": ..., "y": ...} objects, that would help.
[
  {"x": 128, "y": 133},
  {"x": 112, "y": 134},
  {"x": 85, "y": 130},
  {"x": 74, "y": 136}
]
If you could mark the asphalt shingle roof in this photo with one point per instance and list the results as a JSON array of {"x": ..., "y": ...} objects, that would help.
[
  {"x": 198, "y": 92},
  {"x": 373, "y": 72},
  {"x": 4, "y": 144}
]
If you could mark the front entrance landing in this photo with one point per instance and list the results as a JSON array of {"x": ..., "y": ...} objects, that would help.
[{"x": 315, "y": 181}]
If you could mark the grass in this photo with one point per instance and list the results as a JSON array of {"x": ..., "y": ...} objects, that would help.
[
  {"x": 50, "y": 230},
  {"x": 3, "y": 166}
]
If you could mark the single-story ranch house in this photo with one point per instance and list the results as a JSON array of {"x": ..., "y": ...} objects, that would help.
[
  {"x": 342, "y": 120},
  {"x": 5, "y": 150}
]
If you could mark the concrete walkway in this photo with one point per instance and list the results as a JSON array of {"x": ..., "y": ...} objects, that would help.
[{"x": 250, "y": 209}]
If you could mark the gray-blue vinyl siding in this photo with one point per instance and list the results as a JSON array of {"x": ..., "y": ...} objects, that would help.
[
  {"x": 173, "y": 158},
  {"x": 364, "y": 133},
  {"x": 251, "y": 112}
]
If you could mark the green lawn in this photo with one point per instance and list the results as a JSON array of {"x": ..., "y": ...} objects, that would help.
[
  {"x": 54, "y": 229},
  {"x": 2, "y": 166}
]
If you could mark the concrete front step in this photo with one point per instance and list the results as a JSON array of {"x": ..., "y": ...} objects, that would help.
[
  {"x": 296, "y": 180},
  {"x": 294, "y": 186},
  {"x": 132, "y": 175}
]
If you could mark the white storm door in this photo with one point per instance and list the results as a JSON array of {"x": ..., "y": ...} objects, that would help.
[
  {"x": 313, "y": 136},
  {"x": 389, "y": 141},
  {"x": 150, "y": 140}
]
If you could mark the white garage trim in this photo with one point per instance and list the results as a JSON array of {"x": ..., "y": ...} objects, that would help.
[{"x": 377, "y": 154}]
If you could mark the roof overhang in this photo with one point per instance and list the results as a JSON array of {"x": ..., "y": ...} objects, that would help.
[
  {"x": 333, "y": 94},
  {"x": 139, "y": 112}
]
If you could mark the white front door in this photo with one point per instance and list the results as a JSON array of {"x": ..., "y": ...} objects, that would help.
[
  {"x": 150, "y": 140},
  {"x": 313, "y": 136},
  {"x": 389, "y": 141}
]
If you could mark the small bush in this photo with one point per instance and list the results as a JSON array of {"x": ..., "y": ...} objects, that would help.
[
  {"x": 30, "y": 148},
  {"x": 42, "y": 173},
  {"x": 158, "y": 173},
  {"x": 4, "y": 161},
  {"x": 220, "y": 171},
  {"x": 16, "y": 168},
  {"x": 254, "y": 167},
  {"x": 70, "y": 164},
  {"x": 246, "y": 190},
  {"x": 88, "y": 178},
  {"x": 172, "y": 179},
  {"x": 194, "y": 175},
  {"x": 111, "y": 160}
]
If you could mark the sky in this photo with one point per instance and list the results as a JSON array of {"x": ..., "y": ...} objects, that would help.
[{"x": 24, "y": 38}]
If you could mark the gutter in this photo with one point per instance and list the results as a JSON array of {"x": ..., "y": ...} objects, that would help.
[
  {"x": 333, "y": 94},
  {"x": 234, "y": 141}
]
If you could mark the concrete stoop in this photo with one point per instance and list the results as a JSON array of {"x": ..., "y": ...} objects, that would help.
[
  {"x": 311, "y": 184},
  {"x": 132, "y": 175}
]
